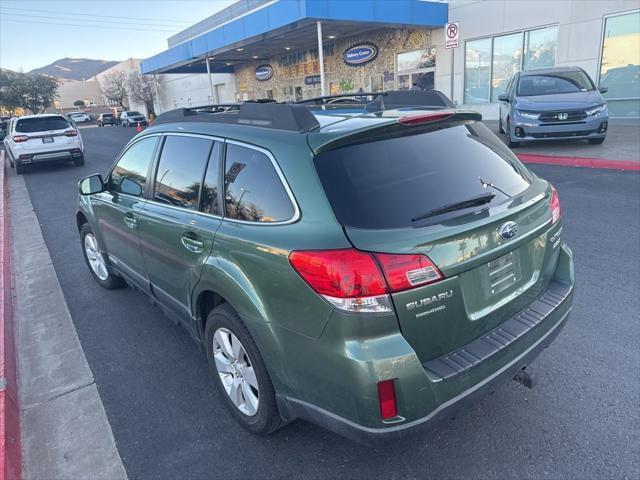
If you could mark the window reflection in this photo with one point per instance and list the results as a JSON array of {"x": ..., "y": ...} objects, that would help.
[
  {"x": 540, "y": 48},
  {"x": 477, "y": 70},
  {"x": 507, "y": 56}
]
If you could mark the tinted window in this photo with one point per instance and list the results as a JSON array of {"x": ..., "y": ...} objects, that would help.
[
  {"x": 180, "y": 171},
  {"x": 133, "y": 113},
  {"x": 553, "y": 83},
  {"x": 107, "y": 115},
  {"x": 41, "y": 124},
  {"x": 385, "y": 184},
  {"x": 133, "y": 166},
  {"x": 210, "y": 188},
  {"x": 253, "y": 190}
]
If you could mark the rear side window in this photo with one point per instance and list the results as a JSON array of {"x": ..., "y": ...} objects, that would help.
[
  {"x": 180, "y": 171},
  {"x": 253, "y": 190},
  {"x": 386, "y": 184},
  {"x": 130, "y": 173},
  {"x": 41, "y": 124}
]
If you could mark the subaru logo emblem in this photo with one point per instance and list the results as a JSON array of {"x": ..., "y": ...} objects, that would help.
[
  {"x": 563, "y": 116},
  {"x": 508, "y": 230}
]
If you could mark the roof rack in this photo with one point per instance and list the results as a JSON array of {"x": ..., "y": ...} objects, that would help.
[
  {"x": 278, "y": 116},
  {"x": 378, "y": 101}
]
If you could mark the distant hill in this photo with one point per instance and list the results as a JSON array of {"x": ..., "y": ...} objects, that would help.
[{"x": 75, "y": 68}]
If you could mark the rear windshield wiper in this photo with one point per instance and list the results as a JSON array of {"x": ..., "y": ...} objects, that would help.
[{"x": 452, "y": 207}]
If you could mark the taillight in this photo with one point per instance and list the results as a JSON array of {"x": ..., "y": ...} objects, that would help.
[
  {"x": 387, "y": 399},
  {"x": 71, "y": 133},
  {"x": 349, "y": 279},
  {"x": 20, "y": 138},
  {"x": 352, "y": 281},
  {"x": 424, "y": 117},
  {"x": 556, "y": 211},
  {"x": 407, "y": 271}
]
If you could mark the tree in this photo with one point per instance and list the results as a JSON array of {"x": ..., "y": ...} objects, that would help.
[
  {"x": 142, "y": 89},
  {"x": 30, "y": 91},
  {"x": 78, "y": 103},
  {"x": 114, "y": 87}
]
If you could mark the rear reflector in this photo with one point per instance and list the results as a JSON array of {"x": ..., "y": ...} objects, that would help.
[
  {"x": 71, "y": 133},
  {"x": 556, "y": 211},
  {"x": 352, "y": 281},
  {"x": 407, "y": 271},
  {"x": 20, "y": 138},
  {"x": 425, "y": 117},
  {"x": 387, "y": 399}
]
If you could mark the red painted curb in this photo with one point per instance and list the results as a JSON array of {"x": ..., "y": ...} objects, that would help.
[
  {"x": 10, "y": 446},
  {"x": 630, "y": 165}
]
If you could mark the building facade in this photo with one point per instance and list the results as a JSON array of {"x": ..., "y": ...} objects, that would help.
[{"x": 270, "y": 49}]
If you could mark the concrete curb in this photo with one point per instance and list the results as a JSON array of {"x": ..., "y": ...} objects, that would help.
[
  {"x": 585, "y": 162},
  {"x": 65, "y": 431},
  {"x": 10, "y": 446}
]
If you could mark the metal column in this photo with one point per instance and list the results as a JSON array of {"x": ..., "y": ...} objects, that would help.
[
  {"x": 321, "y": 57},
  {"x": 214, "y": 98}
]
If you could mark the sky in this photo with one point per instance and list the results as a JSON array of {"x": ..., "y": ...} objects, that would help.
[{"x": 35, "y": 33}]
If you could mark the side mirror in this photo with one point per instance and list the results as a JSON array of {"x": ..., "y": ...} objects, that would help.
[
  {"x": 503, "y": 97},
  {"x": 91, "y": 184},
  {"x": 130, "y": 187},
  {"x": 603, "y": 89}
]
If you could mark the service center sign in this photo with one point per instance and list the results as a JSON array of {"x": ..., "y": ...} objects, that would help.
[
  {"x": 360, "y": 54},
  {"x": 451, "y": 31},
  {"x": 264, "y": 72}
]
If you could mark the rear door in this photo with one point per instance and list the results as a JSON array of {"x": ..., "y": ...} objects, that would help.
[
  {"x": 176, "y": 236},
  {"x": 385, "y": 193}
]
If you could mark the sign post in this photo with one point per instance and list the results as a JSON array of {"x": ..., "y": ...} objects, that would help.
[{"x": 451, "y": 32}]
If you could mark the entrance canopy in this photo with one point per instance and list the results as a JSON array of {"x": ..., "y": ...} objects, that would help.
[{"x": 276, "y": 27}]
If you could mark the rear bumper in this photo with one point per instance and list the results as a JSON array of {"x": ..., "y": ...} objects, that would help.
[
  {"x": 438, "y": 388},
  {"x": 375, "y": 436},
  {"x": 45, "y": 157}
]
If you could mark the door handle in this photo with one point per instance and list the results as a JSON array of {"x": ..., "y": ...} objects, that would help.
[
  {"x": 130, "y": 221},
  {"x": 191, "y": 243}
]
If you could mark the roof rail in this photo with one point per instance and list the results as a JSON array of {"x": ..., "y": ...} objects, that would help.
[
  {"x": 378, "y": 101},
  {"x": 277, "y": 116}
]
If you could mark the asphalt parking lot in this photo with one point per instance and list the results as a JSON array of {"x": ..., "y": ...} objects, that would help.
[{"x": 581, "y": 421}]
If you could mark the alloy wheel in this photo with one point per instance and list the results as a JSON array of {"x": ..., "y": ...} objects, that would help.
[
  {"x": 236, "y": 371},
  {"x": 96, "y": 260}
]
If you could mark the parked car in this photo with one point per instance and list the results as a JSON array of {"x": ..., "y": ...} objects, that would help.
[
  {"x": 34, "y": 139},
  {"x": 79, "y": 117},
  {"x": 106, "y": 119},
  {"x": 331, "y": 270},
  {"x": 132, "y": 118},
  {"x": 4, "y": 122},
  {"x": 552, "y": 104}
]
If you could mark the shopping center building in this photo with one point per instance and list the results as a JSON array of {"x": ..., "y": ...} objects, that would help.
[{"x": 296, "y": 49}]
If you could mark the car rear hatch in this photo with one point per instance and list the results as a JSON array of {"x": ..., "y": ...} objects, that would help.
[
  {"x": 45, "y": 134},
  {"x": 492, "y": 252}
]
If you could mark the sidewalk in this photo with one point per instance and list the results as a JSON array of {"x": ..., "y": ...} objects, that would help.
[{"x": 620, "y": 150}]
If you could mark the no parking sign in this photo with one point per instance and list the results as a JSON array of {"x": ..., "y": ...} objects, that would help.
[{"x": 451, "y": 31}]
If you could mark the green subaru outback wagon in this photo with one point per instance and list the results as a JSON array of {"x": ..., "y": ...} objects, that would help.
[{"x": 369, "y": 265}]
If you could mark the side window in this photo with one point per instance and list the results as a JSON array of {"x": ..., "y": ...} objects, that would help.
[
  {"x": 180, "y": 170},
  {"x": 253, "y": 190},
  {"x": 130, "y": 173},
  {"x": 210, "y": 186}
]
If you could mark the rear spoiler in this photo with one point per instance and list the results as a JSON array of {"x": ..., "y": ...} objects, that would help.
[{"x": 413, "y": 123}]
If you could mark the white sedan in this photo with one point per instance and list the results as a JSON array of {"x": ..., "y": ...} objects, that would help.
[{"x": 79, "y": 117}]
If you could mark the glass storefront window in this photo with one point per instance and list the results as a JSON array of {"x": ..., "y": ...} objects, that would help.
[
  {"x": 477, "y": 71},
  {"x": 417, "y": 60},
  {"x": 377, "y": 83},
  {"x": 507, "y": 58},
  {"x": 404, "y": 82},
  {"x": 620, "y": 66},
  {"x": 540, "y": 48}
]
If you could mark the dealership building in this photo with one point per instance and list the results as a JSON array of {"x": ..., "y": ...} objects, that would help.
[{"x": 290, "y": 50}]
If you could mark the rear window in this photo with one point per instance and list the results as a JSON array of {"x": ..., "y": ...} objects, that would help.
[
  {"x": 107, "y": 115},
  {"x": 41, "y": 124},
  {"x": 134, "y": 113},
  {"x": 554, "y": 83},
  {"x": 385, "y": 184}
]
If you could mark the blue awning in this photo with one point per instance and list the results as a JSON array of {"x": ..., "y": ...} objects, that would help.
[{"x": 270, "y": 29}]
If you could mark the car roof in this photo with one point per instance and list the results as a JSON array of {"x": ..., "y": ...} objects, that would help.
[
  {"x": 545, "y": 71},
  {"x": 40, "y": 115}
]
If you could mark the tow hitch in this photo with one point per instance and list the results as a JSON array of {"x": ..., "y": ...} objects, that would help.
[{"x": 525, "y": 378}]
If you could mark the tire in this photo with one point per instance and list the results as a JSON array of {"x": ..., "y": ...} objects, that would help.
[
  {"x": 110, "y": 281},
  {"x": 510, "y": 143},
  {"x": 78, "y": 162},
  {"x": 266, "y": 419},
  {"x": 596, "y": 141},
  {"x": 19, "y": 168}
]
